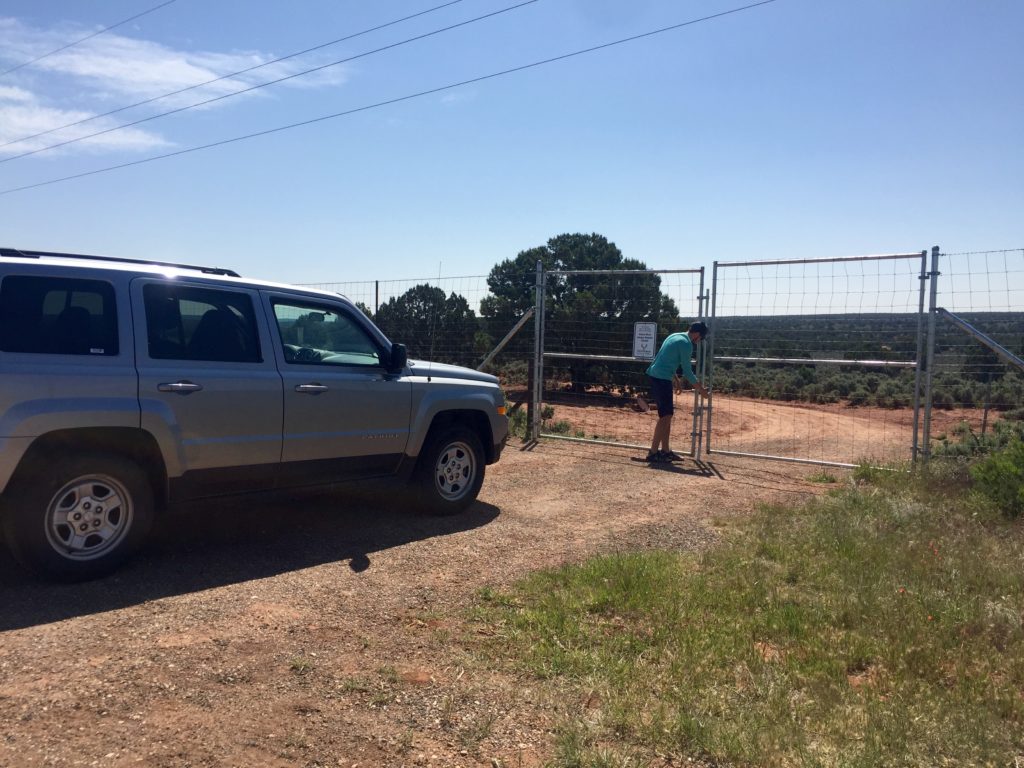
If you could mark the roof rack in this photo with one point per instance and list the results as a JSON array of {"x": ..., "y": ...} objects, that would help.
[{"x": 15, "y": 253}]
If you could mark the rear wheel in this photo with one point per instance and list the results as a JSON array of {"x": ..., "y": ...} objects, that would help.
[
  {"x": 79, "y": 517},
  {"x": 450, "y": 471}
]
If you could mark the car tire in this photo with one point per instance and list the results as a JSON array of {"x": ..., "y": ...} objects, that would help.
[
  {"x": 450, "y": 471},
  {"x": 78, "y": 517}
]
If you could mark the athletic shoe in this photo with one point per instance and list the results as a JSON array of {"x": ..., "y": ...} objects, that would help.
[
  {"x": 655, "y": 456},
  {"x": 670, "y": 456}
]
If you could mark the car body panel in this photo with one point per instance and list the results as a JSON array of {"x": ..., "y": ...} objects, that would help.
[
  {"x": 439, "y": 388},
  {"x": 234, "y": 419},
  {"x": 340, "y": 419}
]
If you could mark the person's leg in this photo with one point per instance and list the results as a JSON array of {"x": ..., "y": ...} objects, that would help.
[
  {"x": 662, "y": 431},
  {"x": 661, "y": 391},
  {"x": 666, "y": 451}
]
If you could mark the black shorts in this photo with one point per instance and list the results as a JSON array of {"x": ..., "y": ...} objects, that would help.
[{"x": 661, "y": 393}]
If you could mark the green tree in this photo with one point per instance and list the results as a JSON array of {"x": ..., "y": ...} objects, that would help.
[
  {"x": 431, "y": 324},
  {"x": 585, "y": 314}
]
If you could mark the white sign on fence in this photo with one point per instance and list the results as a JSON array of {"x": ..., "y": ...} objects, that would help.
[{"x": 645, "y": 336}]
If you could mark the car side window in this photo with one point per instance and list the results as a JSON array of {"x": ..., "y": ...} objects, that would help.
[
  {"x": 321, "y": 335},
  {"x": 57, "y": 316},
  {"x": 188, "y": 323}
]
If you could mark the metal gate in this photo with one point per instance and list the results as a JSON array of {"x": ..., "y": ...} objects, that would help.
[
  {"x": 589, "y": 381},
  {"x": 974, "y": 380},
  {"x": 795, "y": 343}
]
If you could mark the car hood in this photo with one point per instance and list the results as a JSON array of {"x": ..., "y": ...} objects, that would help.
[{"x": 443, "y": 370}]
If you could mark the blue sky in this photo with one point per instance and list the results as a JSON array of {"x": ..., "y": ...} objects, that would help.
[{"x": 801, "y": 128}]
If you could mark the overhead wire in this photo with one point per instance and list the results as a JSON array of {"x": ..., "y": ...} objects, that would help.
[
  {"x": 230, "y": 75},
  {"x": 387, "y": 102},
  {"x": 304, "y": 72},
  {"x": 87, "y": 37}
]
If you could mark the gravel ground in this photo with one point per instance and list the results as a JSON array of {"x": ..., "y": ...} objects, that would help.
[{"x": 330, "y": 629}]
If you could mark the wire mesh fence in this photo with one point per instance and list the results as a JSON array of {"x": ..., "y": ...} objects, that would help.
[
  {"x": 816, "y": 360},
  {"x": 447, "y": 319},
  {"x": 594, "y": 384},
  {"x": 977, "y": 396}
]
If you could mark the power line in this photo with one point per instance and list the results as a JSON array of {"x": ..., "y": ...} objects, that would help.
[
  {"x": 87, "y": 37},
  {"x": 229, "y": 75},
  {"x": 387, "y": 102},
  {"x": 268, "y": 83}
]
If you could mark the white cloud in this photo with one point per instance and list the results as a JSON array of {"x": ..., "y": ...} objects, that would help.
[
  {"x": 10, "y": 93},
  {"x": 111, "y": 71},
  {"x": 21, "y": 115},
  {"x": 128, "y": 69}
]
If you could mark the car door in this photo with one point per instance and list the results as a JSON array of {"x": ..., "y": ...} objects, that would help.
[
  {"x": 209, "y": 388},
  {"x": 345, "y": 416}
]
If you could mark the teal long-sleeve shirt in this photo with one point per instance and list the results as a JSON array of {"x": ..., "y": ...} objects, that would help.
[{"x": 676, "y": 351}]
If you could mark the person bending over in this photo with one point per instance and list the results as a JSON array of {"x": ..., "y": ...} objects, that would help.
[{"x": 675, "y": 353}]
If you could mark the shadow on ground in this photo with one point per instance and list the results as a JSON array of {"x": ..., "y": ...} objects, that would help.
[
  {"x": 700, "y": 469},
  {"x": 214, "y": 543}
]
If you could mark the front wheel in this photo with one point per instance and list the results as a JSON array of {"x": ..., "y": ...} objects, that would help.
[
  {"x": 79, "y": 518},
  {"x": 450, "y": 471}
]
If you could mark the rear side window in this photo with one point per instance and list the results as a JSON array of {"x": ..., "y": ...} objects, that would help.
[
  {"x": 187, "y": 323},
  {"x": 57, "y": 316}
]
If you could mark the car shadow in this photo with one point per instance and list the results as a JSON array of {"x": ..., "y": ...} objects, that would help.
[{"x": 208, "y": 544}]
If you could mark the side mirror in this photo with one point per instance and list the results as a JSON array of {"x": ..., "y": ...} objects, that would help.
[{"x": 399, "y": 357}]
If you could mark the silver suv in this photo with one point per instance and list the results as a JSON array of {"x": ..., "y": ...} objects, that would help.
[{"x": 128, "y": 384}]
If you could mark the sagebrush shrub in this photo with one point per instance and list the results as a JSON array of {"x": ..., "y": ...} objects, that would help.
[{"x": 1000, "y": 477}]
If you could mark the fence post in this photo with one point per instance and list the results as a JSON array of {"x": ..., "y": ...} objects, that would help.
[
  {"x": 530, "y": 410},
  {"x": 709, "y": 351},
  {"x": 703, "y": 374},
  {"x": 926, "y": 449},
  {"x": 698, "y": 414},
  {"x": 538, "y": 353},
  {"x": 920, "y": 353}
]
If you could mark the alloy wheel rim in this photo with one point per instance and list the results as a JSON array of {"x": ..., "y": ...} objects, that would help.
[
  {"x": 88, "y": 517},
  {"x": 455, "y": 471}
]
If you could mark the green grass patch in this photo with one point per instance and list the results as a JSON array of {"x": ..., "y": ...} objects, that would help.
[
  {"x": 875, "y": 626},
  {"x": 300, "y": 665}
]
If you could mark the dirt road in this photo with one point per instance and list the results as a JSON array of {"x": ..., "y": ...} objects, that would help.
[
  {"x": 331, "y": 630},
  {"x": 830, "y": 433}
]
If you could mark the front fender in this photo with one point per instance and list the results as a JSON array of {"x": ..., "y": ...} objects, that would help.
[{"x": 442, "y": 396}]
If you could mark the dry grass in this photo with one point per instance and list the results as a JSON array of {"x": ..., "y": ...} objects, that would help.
[{"x": 870, "y": 627}]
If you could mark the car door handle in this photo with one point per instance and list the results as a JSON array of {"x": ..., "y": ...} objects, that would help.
[
  {"x": 310, "y": 389},
  {"x": 180, "y": 387}
]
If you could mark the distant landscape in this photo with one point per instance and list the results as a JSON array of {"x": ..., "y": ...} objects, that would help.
[{"x": 966, "y": 373}]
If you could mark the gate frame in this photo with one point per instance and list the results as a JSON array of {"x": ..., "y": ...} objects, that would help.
[
  {"x": 540, "y": 354},
  {"x": 982, "y": 338},
  {"x": 917, "y": 365}
]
